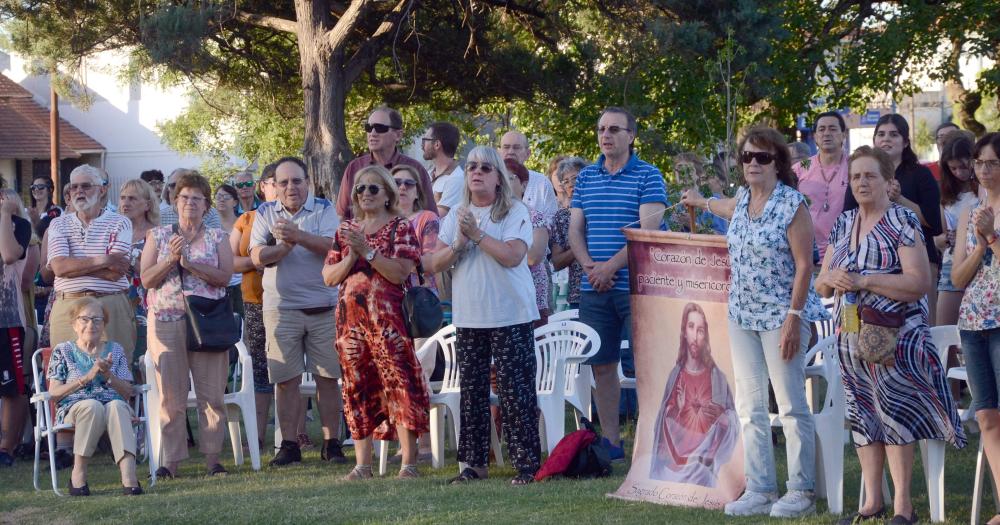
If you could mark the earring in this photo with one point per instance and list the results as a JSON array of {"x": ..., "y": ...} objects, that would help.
[{"x": 386, "y": 204}]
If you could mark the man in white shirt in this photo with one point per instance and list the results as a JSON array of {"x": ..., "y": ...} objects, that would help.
[
  {"x": 539, "y": 193},
  {"x": 439, "y": 143}
]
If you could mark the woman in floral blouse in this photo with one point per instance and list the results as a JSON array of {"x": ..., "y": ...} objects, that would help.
[
  {"x": 976, "y": 265},
  {"x": 771, "y": 309},
  {"x": 91, "y": 381}
]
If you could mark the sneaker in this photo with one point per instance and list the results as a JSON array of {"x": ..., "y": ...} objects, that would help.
[
  {"x": 6, "y": 460},
  {"x": 616, "y": 453},
  {"x": 287, "y": 454},
  {"x": 794, "y": 504},
  {"x": 752, "y": 504},
  {"x": 332, "y": 451}
]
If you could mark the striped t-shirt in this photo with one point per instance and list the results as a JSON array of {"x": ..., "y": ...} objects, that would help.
[
  {"x": 109, "y": 232},
  {"x": 609, "y": 202}
]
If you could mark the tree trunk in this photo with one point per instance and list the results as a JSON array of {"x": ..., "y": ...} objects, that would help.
[
  {"x": 326, "y": 151},
  {"x": 968, "y": 101}
]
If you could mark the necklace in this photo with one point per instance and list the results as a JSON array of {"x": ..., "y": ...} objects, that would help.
[{"x": 827, "y": 181}]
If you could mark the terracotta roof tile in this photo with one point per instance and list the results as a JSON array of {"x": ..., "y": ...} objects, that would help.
[{"x": 24, "y": 127}]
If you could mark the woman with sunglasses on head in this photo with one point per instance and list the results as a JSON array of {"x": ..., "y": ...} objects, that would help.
[
  {"x": 876, "y": 267},
  {"x": 425, "y": 223},
  {"x": 383, "y": 387},
  {"x": 486, "y": 243},
  {"x": 976, "y": 266},
  {"x": 771, "y": 309},
  {"x": 914, "y": 187}
]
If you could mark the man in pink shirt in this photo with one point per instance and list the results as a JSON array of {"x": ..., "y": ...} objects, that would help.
[
  {"x": 823, "y": 177},
  {"x": 384, "y": 129}
]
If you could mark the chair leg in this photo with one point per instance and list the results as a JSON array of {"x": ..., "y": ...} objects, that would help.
[
  {"x": 235, "y": 436},
  {"x": 52, "y": 462},
  {"x": 437, "y": 436},
  {"x": 383, "y": 456},
  {"x": 932, "y": 454},
  {"x": 977, "y": 487},
  {"x": 495, "y": 443},
  {"x": 248, "y": 409}
]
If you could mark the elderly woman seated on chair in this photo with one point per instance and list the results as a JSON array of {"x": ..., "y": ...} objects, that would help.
[{"x": 91, "y": 381}]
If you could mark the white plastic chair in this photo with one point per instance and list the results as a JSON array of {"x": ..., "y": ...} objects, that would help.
[
  {"x": 565, "y": 315},
  {"x": 240, "y": 403},
  {"x": 624, "y": 380},
  {"x": 931, "y": 451},
  {"x": 959, "y": 373},
  {"x": 45, "y": 427},
  {"x": 829, "y": 421},
  {"x": 447, "y": 400},
  {"x": 561, "y": 348}
]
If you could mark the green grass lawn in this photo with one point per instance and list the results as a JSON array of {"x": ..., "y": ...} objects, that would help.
[{"x": 314, "y": 493}]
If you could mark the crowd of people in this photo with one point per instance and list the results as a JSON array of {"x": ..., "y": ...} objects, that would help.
[{"x": 319, "y": 287}]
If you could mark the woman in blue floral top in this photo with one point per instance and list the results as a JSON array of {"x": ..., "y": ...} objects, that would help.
[
  {"x": 91, "y": 381},
  {"x": 771, "y": 309}
]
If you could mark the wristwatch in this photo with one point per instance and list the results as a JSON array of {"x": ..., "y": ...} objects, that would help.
[
  {"x": 371, "y": 256},
  {"x": 482, "y": 236}
]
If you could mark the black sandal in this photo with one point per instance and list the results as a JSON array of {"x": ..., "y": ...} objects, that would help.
[
  {"x": 132, "y": 491},
  {"x": 858, "y": 517},
  {"x": 217, "y": 469},
  {"x": 468, "y": 474},
  {"x": 78, "y": 491},
  {"x": 523, "y": 478},
  {"x": 164, "y": 473}
]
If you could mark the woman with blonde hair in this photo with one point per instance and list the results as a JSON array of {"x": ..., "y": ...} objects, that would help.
[
  {"x": 137, "y": 201},
  {"x": 372, "y": 256},
  {"x": 486, "y": 241}
]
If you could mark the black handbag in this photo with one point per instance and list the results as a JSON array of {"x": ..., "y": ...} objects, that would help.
[
  {"x": 422, "y": 311},
  {"x": 211, "y": 325}
]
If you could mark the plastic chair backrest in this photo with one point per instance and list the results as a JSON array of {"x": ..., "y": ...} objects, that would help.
[
  {"x": 829, "y": 362},
  {"x": 565, "y": 315},
  {"x": 445, "y": 339},
  {"x": 943, "y": 337},
  {"x": 560, "y": 340}
]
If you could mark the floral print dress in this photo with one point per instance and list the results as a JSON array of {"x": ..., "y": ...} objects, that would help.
[{"x": 980, "y": 308}]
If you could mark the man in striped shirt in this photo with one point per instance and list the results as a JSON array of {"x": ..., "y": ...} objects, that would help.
[
  {"x": 617, "y": 191},
  {"x": 88, "y": 252}
]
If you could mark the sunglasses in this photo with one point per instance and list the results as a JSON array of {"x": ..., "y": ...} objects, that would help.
[
  {"x": 483, "y": 167},
  {"x": 35, "y": 187},
  {"x": 409, "y": 183},
  {"x": 378, "y": 128},
  {"x": 763, "y": 158},
  {"x": 373, "y": 189},
  {"x": 614, "y": 130},
  {"x": 248, "y": 184}
]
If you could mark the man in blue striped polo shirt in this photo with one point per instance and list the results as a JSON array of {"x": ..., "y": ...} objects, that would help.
[{"x": 616, "y": 191}]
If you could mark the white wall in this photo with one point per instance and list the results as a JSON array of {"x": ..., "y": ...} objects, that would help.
[
  {"x": 123, "y": 116},
  {"x": 8, "y": 170}
]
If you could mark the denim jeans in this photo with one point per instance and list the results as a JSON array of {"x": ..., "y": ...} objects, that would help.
[
  {"x": 610, "y": 315},
  {"x": 757, "y": 359},
  {"x": 982, "y": 361}
]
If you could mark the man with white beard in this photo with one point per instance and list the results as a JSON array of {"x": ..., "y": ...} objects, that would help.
[{"x": 88, "y": 252}]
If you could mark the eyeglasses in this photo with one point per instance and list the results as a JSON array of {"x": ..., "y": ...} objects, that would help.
[
  {"x": 85, "y": 319},
  {"x": 247, "y": 184},
  {"x": 83, "y": 186},
  {"x": 763, "y": 158},
  {"x": 378, "y": 128},
  {"x": 986, "y": 165},
  {"x": 373, "y": 189},
  {"x": 614, "y": 130},
  {"x": 294, "y": 182},
  {"x": 409, "y": 183},
  {"x": 36, "y": 187},
  {"x": 190, "y": 198},
  {"x": 483, "y": 167}
]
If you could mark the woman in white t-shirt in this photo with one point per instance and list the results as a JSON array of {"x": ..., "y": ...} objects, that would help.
[{"x": 486, "y": 240}]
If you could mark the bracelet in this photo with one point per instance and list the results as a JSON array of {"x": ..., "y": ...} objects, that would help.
[
  {"x": 796, "y": 313},
  {"x": 480, "y": 239},
  {"x": 708, "y": 204}
]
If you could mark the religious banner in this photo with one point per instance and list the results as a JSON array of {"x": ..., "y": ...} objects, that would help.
[{"x": 688, "y": 448}]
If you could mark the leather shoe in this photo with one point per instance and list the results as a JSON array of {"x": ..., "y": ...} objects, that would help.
[
  {"x": 132, "y": 491},
  {"x": 78, "y": 491}
]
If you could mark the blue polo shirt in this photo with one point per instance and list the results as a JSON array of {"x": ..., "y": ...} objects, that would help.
[{"x": 610, "y": 201}]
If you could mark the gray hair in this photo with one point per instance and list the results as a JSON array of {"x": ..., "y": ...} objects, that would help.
[
  {"x": 569, "y": 164},
  {"x": 248, "y": 173},
  {"x": 801, "y": 149},
  {"x": 97, "y": 175}
]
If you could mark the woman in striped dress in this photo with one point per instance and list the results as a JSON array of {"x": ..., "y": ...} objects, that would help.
[{"x": 878, "y": 260}]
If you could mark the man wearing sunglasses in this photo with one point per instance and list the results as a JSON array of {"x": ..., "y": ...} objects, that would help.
[
  {"x": 538, "y": 193},
  {"x": 244, "y": 184},
  {"x": 168, "y": 209},
  {"x": 617, "y": 191},
  {"x": 384, "y": 129}
]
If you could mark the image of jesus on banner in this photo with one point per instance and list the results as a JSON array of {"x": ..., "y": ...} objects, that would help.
[{"x": 697, "y": 427}]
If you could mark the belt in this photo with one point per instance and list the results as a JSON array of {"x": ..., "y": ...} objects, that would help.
[{"x": 85, "y": 293}]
